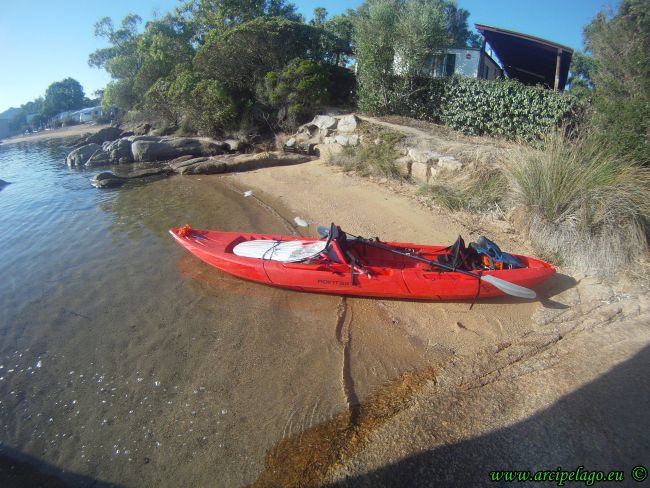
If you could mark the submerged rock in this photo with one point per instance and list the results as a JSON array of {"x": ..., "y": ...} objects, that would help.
[{"x": 107, "y": 180}]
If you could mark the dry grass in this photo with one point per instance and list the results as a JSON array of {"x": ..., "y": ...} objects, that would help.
[
  {"x": 375, "y": 157},
  {"x": 280, "y": 140},
  {"x": 476, "y": 191},
  {"x": 584, "y": 206}
]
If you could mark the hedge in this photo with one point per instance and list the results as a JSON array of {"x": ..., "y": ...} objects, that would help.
[{"x": 479, "y": 107}]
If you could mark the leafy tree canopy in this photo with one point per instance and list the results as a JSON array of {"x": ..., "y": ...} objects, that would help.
[
  {"x": 63, "y": 95},
  {"x": 620, "y": 44},
  {"x": 240, "y": 57},
  {"x": 218, "y": 16}
]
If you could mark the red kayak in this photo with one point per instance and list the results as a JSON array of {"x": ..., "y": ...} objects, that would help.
[{"x": 342, "y": 265}]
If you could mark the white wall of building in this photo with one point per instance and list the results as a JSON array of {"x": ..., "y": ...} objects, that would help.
[{"x": 466, "y": 61}]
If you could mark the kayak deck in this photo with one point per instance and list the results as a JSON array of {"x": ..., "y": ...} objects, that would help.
[{"x": 378, "y": 273}]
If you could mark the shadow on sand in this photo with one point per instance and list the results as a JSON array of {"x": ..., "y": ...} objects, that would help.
[{"x": 604, "y": 425}]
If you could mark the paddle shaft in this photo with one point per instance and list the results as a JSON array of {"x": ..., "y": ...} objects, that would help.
[{"x": 418, "y": 258}]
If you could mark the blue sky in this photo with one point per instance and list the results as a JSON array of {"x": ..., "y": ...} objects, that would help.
[{"x": 42, "y": 41}]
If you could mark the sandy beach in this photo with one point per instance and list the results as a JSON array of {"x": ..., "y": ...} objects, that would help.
[
  {"x": 501, "y": 371},
  {"x": 54, "y": 134}
]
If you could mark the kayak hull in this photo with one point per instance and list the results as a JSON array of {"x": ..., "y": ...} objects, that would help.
[{"x": 388, "y": 275}]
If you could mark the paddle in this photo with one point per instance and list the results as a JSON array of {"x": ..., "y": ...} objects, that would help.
[{"x": 503, "y": 285}]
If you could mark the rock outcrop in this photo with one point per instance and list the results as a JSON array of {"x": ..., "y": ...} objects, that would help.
[
  {"x": 188, "y": 165},
  {"x": 167, "y": 148},
  {"x": 328, "y": 135},
  {"x": 101, "y": 136},
  {"x": 80, "y": 156},
  {"x": 145, "y": 148},
  {"x": 325, "y": 134}
]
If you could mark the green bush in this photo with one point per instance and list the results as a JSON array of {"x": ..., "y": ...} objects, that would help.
[
  {"x": 504, "y": 108},
  {"x": 295, "y": 92},
  {"x": 478, "y": 107},
  {"x": 213, "y": 110}
]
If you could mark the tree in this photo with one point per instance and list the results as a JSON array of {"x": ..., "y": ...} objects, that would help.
[
  {"x": 219, "y": 16},
  {"x": 295, "y": 92},
  {"x": 620, "y": 44},
  {"x": 342, "y": 29},
  {"x": 61, "y": 96},
  {"x": 390, "y": 34},
  {"x": 137, "y": 60},
  {"x": 580, "y": 75},
  {"x": 458, "y": 27},
  {"x": 242, "y": 56},
  {"x": 320, "y": 14}
]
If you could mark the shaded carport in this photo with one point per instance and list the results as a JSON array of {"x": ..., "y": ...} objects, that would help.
[{"x": 529, "y": 59}]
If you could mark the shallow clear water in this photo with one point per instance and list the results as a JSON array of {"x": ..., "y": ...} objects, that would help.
[{"x": 125, "y": 359}]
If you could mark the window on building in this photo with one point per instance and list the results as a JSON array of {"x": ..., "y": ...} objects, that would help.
[
  {"x": 443, "y": 65},
  {"x": 450, "y": 65}
]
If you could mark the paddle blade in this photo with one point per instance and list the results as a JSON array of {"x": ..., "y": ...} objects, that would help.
[
  {"x": 301, "y": 222},
  {"x": 509, "y": 288}
]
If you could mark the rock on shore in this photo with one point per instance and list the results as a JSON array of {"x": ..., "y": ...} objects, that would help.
[
  {"x": 144, "y": 149},
  {"x": 188, "y": 165}
]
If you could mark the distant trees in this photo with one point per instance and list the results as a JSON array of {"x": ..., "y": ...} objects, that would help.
[{"x": 62, "y": 95}]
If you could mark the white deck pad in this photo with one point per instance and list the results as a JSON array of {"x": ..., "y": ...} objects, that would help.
[{"x": 285, "y": 251}]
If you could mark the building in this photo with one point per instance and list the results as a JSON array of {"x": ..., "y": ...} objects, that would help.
[
  {"x": 466, "y": 61},
  {"x": 528, "y": 59},
  {"x": 84, "y": 115},
  {"x": 89, "y": 114}
]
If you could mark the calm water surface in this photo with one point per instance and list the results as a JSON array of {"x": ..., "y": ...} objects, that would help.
[{"x": 123, "y": 358}]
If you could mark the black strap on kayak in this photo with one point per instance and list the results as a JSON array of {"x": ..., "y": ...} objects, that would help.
[{"x": 478, "y": 289}]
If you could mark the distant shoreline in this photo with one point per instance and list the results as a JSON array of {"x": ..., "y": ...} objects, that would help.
[{"x": 74, "y": 130}]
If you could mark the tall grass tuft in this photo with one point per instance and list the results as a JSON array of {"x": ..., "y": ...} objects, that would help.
[
  {"x": 479, "y": 191},
  {"x": 374, "y": 159},
  {"x": 585, "y": 206}
]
